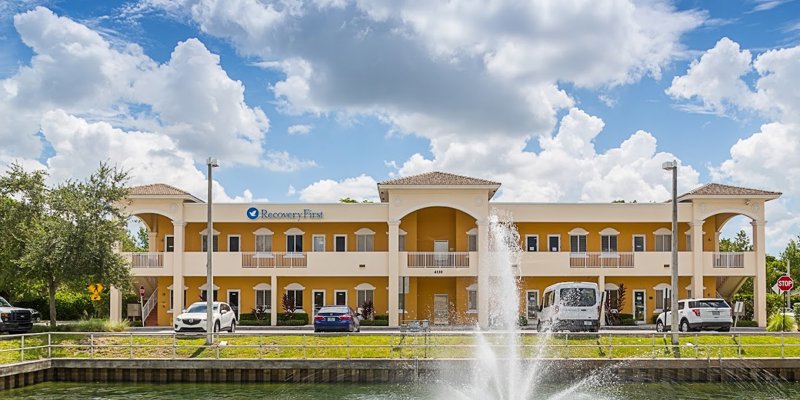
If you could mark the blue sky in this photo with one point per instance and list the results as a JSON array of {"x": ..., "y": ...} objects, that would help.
[{"x": 318, "y": 100}]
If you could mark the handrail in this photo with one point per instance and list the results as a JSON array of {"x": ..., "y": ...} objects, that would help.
[
  {"x": 268, "y": 259},
  {"x": 149, "y": 305},
  {"x": 612, "y": 259},
  {"x": 728, "y": 259},
  {"x": 438, "y": 259},
  {"x": 145, "y": 259}
]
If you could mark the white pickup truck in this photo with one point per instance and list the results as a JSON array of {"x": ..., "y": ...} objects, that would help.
[{"x": 14, "y": 319}]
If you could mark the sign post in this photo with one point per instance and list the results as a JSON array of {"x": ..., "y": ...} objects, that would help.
[
  {"x": 784, "y": 285},
  {"x": 141, "y": 303}
]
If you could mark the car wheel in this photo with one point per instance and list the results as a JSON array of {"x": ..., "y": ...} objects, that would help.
[
  {"x": 538, "y": 326},
  {"x": 684, "y": 327},
  {"x": 659, "y": 326},
  {"x": 233, "y": 327},
  {"x": 725, "y": 329}
]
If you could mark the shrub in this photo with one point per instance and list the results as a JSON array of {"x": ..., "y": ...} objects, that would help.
[
  {"x": 382, "y": 317},
  {"x": 367, "y": 309},
  {"x": 255, "y": 322},
  {"x": 746, "y": 323},
  {"x": 375, "y": 322},
  {"x": 292, "y": 322},
  {"x": 780, "y": 322},
  {"x": 89, "y": 325},
  {"x": 522, "y": 321}
]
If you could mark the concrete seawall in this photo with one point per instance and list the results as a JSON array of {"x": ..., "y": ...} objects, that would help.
[{"x": 385, "y": 370}]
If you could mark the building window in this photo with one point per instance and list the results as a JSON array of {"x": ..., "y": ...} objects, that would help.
[
  {"x": 365, "y": 242},
  {"x": 297, "y": 297},
  {"x": 318, "y": 242},
  {"x": 663, "y": 242},
  {"x": 554, "y": 243},
  {"x": 263, "y": 243},
  {"x": 339, "y": 243},
  {"x": 577, "y": 243},
  {"x": 608, "y": 243},
  {"x": 688, "y": 242},
  {"x": 169, "y": 244},
  {"x": 264, "y": 299},
  {"x": 340, "y": 297},
  {"x": 531, "y": 243},
  {"x": 663, "y": 298},
  {"x": 233, "y": 243},
  {"x": 364, "y": 296},
  {"x": 203, "y": 294},
  {"x": 638, "y": 243},
  {"x": 294, "y": 243},
  {"x": 204, "y": 244},
  {"x": 472, "y": 300}
]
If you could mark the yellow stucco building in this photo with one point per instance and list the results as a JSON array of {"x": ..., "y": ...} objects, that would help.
[{"x": 417, "y": 254}]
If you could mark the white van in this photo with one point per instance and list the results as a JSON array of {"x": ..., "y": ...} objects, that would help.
[{"x": 573, "y": 306}]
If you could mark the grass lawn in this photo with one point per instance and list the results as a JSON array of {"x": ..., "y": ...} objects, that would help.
[{"x": 394, "y": 346}]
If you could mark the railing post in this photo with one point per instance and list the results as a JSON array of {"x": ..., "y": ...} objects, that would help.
[
  {"x": 305, "y": 354},
  {"x": 260, "y": 346},
  {"x": 696, "y": 346},
  {"x": 653, "y": 336},
  {"x": 174, "y": 345},
  {"x": 610, "y": 345},
  {"x": 782, "y": 343},
  {"x": 130, "y": 342},
  {"x": 348, "y": 347},
  {"x": 91, "y": 345},
  {"x": 49, "y": 346},
  {"x": 22, "y": 348}
]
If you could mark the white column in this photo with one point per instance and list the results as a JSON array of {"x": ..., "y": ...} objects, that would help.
[
  {"x": 601, "y": 283},
  {"x": 697, "y": 260},
  {"x": 483, "y": 274},
  {"x": 760, "y": 280},
  {"x": 152, "y": 236},
  {"x": 177, "y": 269},
  {"x": 716, "y": 241},
  {"x": 273, "y": 313},
  {"x": 115, "y": 308},
  {"x": 394, "y": 273}
]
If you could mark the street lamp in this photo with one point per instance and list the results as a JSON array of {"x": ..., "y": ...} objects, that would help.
[
  {"x": 211, "y": 162},
  {"x": 673, "y": 166}
]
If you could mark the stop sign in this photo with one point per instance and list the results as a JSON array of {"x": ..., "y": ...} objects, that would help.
[{"x": 785, "y": 283}]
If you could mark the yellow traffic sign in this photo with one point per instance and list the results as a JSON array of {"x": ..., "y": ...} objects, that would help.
[{"x": 96, "y": 289}]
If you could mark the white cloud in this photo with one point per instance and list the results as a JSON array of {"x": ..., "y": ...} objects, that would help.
[
  {"x": 359, "y": 188},
  {"x": 300, "y": 129},
  {"x": 281, "y": 161}
]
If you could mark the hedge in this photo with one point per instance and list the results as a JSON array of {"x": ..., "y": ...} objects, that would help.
[
  {"x": 254, "y": 322},
  {"x": 375, "y": 322}
]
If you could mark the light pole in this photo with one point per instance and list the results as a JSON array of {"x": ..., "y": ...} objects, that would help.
[
  {"x": 673, "y": 165},
  {"x": 211, "y": 162}
]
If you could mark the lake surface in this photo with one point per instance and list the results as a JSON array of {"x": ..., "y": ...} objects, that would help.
[{"x": 69, "y": 391}]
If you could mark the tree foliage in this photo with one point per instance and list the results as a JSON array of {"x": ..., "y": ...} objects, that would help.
[
  {"x": 64, "y": 236},
  {"x": 349, "y": 200},
  {"x": 739, "y": 243}
]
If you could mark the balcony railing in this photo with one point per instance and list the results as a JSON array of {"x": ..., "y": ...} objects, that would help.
[
  {"x": 438, "y": 260},
  {"x": 274, "y": 260},
  {"x": 146, "y": 260},
  {"x": 601, "y": 260},
  {"x": 728, "y": 260}
]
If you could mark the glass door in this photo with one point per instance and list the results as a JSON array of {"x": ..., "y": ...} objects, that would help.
[
  {"x": 319, "y": 300},
  {"x": 639, "y": 306}
]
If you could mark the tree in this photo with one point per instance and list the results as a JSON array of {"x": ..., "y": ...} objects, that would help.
[
  {"x": 71, "y": 230},
  {"x": 138, "y": 243},
  {"x": 740, "y": 243},
  {"x": 349, "y": 200}
]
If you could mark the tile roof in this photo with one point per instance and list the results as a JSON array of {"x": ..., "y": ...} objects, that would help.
[
  {"x": 157, "y": 189},
  {"x": 717, "y": 189},
  {"x": 437, "y": 178}
]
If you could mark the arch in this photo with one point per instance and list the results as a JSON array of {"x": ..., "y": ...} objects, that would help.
[
  {"x": 365, "y": 231},
  {"x": 417, "y": 207},
  {"x": 203, "y": 232},
  {"x": 294, "y": 231},
  {"x": 173, "y": 285},
  {"x": 662, "y": 286},
  {"x": 147, "y": 210},
  {"x": 472, "y": 287},
  {"x": 262, "y": 286},
  {"x": 609, "y": 231},
  {"x": 365, "y": 286},
  {"x": 662, "y": 231},
  {"x": 578, "y": 231},
  {"x": 205, "y": 285},
  {"x": 473, "y": 231},
  {"x": 262, "y": 231},
  {"x": 611, "y": 286},
  {"x": 294, "y": 286},
  {"x": 735, "y": 211}
]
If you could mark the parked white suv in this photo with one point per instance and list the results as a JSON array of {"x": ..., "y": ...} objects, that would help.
[
  {"x": 194, "y": 318},
  {"x": 697, "y": 314}
]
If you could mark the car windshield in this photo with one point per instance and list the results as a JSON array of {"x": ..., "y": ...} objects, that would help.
[
  {"x": 578, "y": 297},
  {"x": 200, "y": 308},
  {"x": 712, "y": 304},
  {"x": 4, "y": 303},
  {"x": 333, "y": 310}
]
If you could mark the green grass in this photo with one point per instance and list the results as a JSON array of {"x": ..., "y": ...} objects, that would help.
[{"x": 392, "y": 346}]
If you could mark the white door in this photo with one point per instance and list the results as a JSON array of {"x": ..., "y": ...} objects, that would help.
[
  {"x": 440, "y": 309},
  {"x": 440, "y": 248}
]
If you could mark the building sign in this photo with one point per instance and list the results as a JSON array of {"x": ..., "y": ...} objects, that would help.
[{"x": 254, "y": 213}]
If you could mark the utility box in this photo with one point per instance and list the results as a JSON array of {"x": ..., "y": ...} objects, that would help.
[{"x": 134, "y": 310}]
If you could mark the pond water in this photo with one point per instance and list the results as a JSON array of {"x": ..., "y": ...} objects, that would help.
[{"x": 70, "y": 391}]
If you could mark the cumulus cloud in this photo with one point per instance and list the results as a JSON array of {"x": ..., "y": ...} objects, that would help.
[
  {"x": 360, "y": 188},
  {"x": 300, "y": 129},
  {"x": 281, "y": 161}
]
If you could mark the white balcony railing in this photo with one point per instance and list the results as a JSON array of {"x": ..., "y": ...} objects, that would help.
[
  {"x": 146, "y": 260},
  {"x": 728, "y": 260},
  {"x": 601, "y": 260},
  {"x": 274, "y": 260},
  {"x": 438, "y": 260},
  {"x": 150, "y": 305}
]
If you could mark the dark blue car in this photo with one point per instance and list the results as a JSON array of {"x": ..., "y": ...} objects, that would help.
[{"x": 336, "y": 318}]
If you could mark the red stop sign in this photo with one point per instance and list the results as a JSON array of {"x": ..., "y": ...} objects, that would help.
[{"x": 785, "y": 283}]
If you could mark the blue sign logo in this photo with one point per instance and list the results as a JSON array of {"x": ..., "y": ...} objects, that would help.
[{"x": 252, "y": 213}]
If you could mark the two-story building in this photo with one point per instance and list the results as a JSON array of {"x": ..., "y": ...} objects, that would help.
[{"x": 417, "y": 254}]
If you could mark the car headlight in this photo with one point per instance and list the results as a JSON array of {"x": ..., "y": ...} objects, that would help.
[{"x": 5, "y": 316}]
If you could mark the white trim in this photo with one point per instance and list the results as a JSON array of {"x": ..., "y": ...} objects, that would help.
[
  {"x": 578, "y": 231},
  {"x": 205, "y": 285},
  {"x": 240, "y": 243},
  {"x": 662, "y": 231},
  {"x": 474, "y": 286},
  {"x": 364, "y": 286},
  {"x": 611, "y": 286},
  {"x": 170, "y": 287},
  {"x": 324, "y": 242},
  {"x": 337, "y": 235},
  {"x": 548, "y": 241},
  {"x": 203, "y": 232},
  {"x": 473, "y": 231},
  {"x": 294, "y": 286},
  {"x": 262, "y": 231},
  {"x": 238, "y": 310},
  {"x": 337, "y": 291},
  {"x": 293, "y": 232},
  {"x": 644, "y": 298},
  {"x": 262, "y": 286},
  {"x": 662, "y": 286},
  {"x": 365, "y": 231},
  {"x": 644, "y": 242},
  {"x": 538, "y": 245},
  {"x": 609, "y": 232}
]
